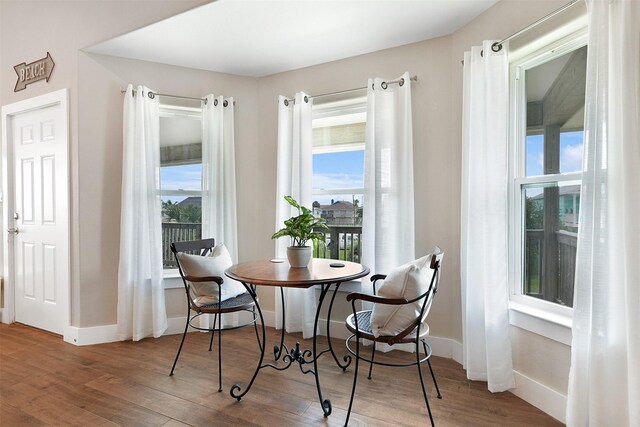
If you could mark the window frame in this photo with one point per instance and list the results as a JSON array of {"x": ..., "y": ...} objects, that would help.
[
  {"x": 171, "y": 276},
  {"x": 536, "y": 315}
]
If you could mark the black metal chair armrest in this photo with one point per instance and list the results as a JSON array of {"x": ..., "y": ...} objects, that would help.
[
  {"x": 378, "y": 277},
  {"x": 374, "y": 279},
  {"x": 197, "y": 279},
  {"x": 373, "y": 298}
]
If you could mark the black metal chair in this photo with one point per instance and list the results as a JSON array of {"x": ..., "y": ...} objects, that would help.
[
  {"x": 359, "y": 324},
  {"x": 242, "y": 302}
]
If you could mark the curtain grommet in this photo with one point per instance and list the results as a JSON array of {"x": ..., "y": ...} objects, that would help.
[
  {"x": 225, "y": 103},
  {"x": 286, "y": 102},
  {"x": 401, "y": 82},
  {"x": 384, "y": 85},
  {"x": 215, "y": 102},
  {"x": 151, "y": 95}
]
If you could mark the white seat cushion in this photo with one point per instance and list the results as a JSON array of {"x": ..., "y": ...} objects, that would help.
[
  {"x": 407, "y": 281},
  {"x": 214, "y": 264}
]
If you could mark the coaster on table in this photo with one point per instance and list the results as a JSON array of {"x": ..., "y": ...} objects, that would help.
[{"x": 336, "y": 264}]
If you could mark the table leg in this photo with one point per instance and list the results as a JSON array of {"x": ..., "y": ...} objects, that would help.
[
  {"x": 279, "y": 350},
  {"x": 236, "y": 387},
  {"x": 346, "y": 357},
  {"x": 325, "y": 403}
]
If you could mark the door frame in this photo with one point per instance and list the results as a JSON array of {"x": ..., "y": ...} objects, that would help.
[{"x": 59, "y": 97}]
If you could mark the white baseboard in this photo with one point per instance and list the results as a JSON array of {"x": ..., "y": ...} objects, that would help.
[
  {"x": 541, "y": 396},
  {"x": 91, "y": 335}
]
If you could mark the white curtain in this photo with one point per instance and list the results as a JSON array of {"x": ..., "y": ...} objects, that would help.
[
  {"x": 388, "y": 230},
  {"x": 294, "y": 179},
  {"x": 484, "y": 253},
  {"x": 219, "y": 218},
  {"x": 388, "y": 227},
  {"x": 604, "y": 379},
  {"x": 141, "y": 304}
]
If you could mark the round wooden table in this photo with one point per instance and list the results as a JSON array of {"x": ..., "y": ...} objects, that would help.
[{"x": 320, "y": 272}]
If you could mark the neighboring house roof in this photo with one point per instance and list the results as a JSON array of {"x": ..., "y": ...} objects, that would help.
[
  {"x": 193, "y": 200},
  {"x": 340, "y": 205}
]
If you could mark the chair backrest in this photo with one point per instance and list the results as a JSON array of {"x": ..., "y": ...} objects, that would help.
[
  {"x": 426, "y": 297},
  {"x": 201, "y": 247}
]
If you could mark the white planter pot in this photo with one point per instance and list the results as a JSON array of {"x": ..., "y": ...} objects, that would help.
[{"x": 299, "y": 256}]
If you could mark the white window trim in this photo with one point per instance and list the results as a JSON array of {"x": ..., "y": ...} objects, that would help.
[{"x": 544, "y": 318}]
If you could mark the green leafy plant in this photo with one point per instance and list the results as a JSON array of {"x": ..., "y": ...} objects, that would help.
[{"x": 300, "y": 228}]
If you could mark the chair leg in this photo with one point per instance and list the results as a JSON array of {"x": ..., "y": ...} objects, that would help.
[
  {"x": 184, "y": 335},
  {"x": 213, "y": 331},
  {"x": 424, "y": 391},
  {"x": 373, "y": 353},
  {"x": 431, "y": 369},
  {"x": 219, "y": 351},
  {"x": 355, "y": 380}
]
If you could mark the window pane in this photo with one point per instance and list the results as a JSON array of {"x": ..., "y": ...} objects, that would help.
[
  {"x": 341, "y": 169},
  {"x": 551, "y": 226},
  {"x": 555, "y": 114},
  {"x": 180, "y": 182},
  {"x": 338, "y": 176}
]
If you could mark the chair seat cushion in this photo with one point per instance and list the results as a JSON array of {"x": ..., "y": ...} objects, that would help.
[
  {"x": 214, "y": 264},
  {"x": 364, "y": 329},
  {"x": 407, "y": 281}
]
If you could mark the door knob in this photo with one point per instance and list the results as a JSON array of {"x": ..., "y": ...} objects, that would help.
[{"x": 13, "y": 230}]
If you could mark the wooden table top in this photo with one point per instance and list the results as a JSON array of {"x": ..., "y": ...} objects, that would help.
[{"x": 318, "y": 272}]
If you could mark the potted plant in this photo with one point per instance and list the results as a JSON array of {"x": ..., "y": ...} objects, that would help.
[{"x": 300, "y": 230}]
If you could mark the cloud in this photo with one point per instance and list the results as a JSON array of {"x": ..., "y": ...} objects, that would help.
[{"x": 571, "y": 158}]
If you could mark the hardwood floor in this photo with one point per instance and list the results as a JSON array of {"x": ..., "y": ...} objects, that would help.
[{"x": 45, "y": 381}]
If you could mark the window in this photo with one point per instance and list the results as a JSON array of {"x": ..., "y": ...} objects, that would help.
[
  {"x": 338, "y": 176},
  {"x": 180, "y": 177},
  {"x": 547, "y": 131}
]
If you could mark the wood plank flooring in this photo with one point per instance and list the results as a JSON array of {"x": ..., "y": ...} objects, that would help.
[{"x": 45, "y": 381}]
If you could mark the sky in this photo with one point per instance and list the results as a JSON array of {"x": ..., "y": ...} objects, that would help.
[
  {"x": 330, "y": 170},
  {"x": 182, "y": 177},
  {"x": 344, "y": 169},
  {"x": 571, "y": 144}
]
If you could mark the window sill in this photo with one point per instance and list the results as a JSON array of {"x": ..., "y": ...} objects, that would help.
[
  {"x": 171, "y": 279},
  {"x": 553, "y": 326}
]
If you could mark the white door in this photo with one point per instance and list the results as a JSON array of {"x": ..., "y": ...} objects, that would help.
[{"x": 37, "y": 211}]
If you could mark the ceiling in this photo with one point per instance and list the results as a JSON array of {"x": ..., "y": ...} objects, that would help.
[{"x": 261, "y": 37}]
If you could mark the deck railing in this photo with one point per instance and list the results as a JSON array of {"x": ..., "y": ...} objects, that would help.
[
  {"x": 343, "y": 242},
  {"x": 535, "y": 277},
  {"x": 177, "y": 232}
]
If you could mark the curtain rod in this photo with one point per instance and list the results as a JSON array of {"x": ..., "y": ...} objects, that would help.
[
  {"x": 154, "y": 94},
  {"x": 497, "y": 46},
  {"x": 384, "y": 85}
]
